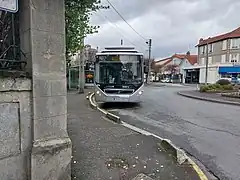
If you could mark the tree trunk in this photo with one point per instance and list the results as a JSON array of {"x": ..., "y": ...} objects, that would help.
[{"x": 155, "y": 76}]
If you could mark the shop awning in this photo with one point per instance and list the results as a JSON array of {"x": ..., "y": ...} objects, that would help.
[{"x": 229, "y": 69}]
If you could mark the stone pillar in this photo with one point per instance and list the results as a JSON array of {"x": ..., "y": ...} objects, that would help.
[{"x": 43, "y": 32}]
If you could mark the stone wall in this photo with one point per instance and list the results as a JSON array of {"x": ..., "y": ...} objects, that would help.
[
  {"x": 15, "y": 128},
  {"x": 42, "y": 31},
  {"x": 34, "y": 143}
]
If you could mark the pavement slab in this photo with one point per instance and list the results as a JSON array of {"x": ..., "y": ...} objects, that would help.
[{"x": 104, "y": 150}]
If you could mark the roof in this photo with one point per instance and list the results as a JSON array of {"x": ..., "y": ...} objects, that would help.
[
  {"x": 192, "y": 59},
  {"x": 163, "y": 59},
  {"x": 233, "y": 34},
  {"x": 179, "y": 56},
  {"x": 163, "y": 62}
]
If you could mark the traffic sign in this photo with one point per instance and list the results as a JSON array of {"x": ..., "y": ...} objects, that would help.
[{"x": 9, "y": 5}]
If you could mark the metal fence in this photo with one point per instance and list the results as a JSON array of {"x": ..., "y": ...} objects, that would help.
[
  {"x": 11, "y": 56},
  {"x": 73, "y": 77}
]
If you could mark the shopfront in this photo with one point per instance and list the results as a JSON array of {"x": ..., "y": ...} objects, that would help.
[
  {"x": 230, "y": 72},
  {"x": 192, "y": 76}
]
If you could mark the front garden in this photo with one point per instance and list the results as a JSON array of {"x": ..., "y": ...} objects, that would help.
[{"x": 224, "y": 87}]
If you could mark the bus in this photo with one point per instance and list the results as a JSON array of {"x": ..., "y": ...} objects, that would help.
[{"x": 119, "y": 75}]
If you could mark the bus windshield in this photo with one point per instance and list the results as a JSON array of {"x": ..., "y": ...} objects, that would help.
[{"x": 119, "y": 70}]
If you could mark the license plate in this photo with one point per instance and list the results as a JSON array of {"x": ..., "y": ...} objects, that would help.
[
  {"x": 120, "y": 99},
  {"x": 116, "y": 99}
]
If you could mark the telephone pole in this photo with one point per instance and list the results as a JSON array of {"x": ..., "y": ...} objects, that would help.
[
  {"x": 206, "y": 73},
  {"x": 149, "y": 59},
  {"x": 81, "y": 73}
]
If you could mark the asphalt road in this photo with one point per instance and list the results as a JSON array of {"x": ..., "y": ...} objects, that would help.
[{"x": 208, "y": 131}]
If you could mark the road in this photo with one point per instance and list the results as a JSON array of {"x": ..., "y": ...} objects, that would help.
[{"x": 208, "y": 131}]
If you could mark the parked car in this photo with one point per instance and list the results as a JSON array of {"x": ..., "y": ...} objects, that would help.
[
  {"x": 167, "y": 80},
  {"x": 235, "y": 80}
]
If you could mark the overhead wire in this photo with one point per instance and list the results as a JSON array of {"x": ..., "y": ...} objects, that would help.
[
  {"x": 118, "y": 29},
  {"x": 125, "y": 20}
]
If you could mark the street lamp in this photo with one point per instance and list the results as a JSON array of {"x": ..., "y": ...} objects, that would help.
[
  {"x": 206, "y": 72},
  {"x": 149, "y": 58}
]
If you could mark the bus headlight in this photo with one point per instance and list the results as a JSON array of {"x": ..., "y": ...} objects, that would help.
[
  {"x": 140, "y": 92},
  {"x": 98, "y": 93}
]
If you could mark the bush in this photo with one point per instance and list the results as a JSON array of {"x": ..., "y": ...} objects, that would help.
[
  {"x": 223, "y": 82},
  {"x": 216, "y": 88},
  {"x": 204, "y": 88},
  {"x": 228, "y": 87}
]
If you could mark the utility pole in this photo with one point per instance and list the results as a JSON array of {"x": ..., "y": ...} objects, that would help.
[
  {"x": 149, "y": 59},
  {"x": 206, "y": 73},
  {"x": 81, "y": 72}
]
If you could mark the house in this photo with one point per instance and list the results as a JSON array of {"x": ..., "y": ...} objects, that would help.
[
  {"x": 89, "y": 54},
  {"x": 173, "y": 67},
  {"x": 189, "y": 62},
  {"x": 222, "y": 55}
]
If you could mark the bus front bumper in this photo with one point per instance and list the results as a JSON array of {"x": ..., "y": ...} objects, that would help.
[{"x": 134, "y": 98}]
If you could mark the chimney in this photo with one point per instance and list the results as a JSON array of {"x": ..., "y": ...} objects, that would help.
[{"x": 200, "y": 40}]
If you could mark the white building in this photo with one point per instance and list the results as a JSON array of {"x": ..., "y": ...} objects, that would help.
[{"x": 174, "y": 66}]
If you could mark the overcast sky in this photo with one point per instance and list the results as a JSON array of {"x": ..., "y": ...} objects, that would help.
[{"x": 175, "y": 26}]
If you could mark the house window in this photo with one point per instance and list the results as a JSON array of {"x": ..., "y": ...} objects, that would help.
[
  {"x": 202, "y": 61},
  {"x": 234, "y": 43},
  {"x": 210, "y": 48},
  {"x": 234, "y": 58},
  {"x": 202, "y": 49},
  {"x": 209, "y": 60},
  {"x": 224, "y": 45},
  {"x": 223, "y": 58}
]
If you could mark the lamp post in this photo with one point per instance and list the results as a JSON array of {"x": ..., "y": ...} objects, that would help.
[
  {"x": 149, "y": 59},
  {"x": 206, "y": 72}
]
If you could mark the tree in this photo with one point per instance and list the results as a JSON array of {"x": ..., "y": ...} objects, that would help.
[
  {"x": 155, "y": 69},
  {"x": 172, "y": 68},
  {"x": 77, "y": 17}
]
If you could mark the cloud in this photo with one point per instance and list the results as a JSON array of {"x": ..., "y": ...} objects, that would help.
[{"x": 173, "y": 25}]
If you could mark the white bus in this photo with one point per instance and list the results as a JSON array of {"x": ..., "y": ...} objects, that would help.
[{"x": 119, "y": 75}]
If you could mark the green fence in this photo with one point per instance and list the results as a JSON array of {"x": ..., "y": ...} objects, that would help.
[{"x": 73, "y": 77}]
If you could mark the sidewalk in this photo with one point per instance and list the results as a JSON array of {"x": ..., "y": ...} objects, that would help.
[
  {"x": 212, "y": 97},
  {"x": 103, "y": 150}
]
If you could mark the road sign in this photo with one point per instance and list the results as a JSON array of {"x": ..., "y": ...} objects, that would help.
[{"x": 9, "y": 5}]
